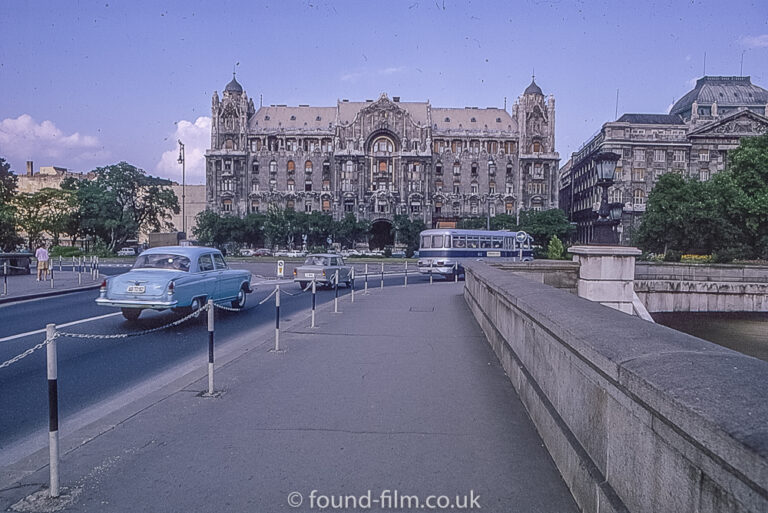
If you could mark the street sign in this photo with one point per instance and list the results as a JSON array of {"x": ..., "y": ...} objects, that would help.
[
  {"x": 521, "y": 236},
  {"x": 281, "y": 269}
]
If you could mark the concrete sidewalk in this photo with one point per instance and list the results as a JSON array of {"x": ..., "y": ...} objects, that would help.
[
  {"x": 25, "y": 286},
  {"x": 399, "y": 392}
]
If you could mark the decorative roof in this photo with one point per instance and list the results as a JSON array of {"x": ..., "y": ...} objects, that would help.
[
  {"x": 234, "y": 86},
  {"x": 277, "y": 117},
  {"x": 490, "y": 119},
  {"x": 533, "y": 88},
  {"x": 726, "y": 91},
  {"x": 651, "y": 119}
]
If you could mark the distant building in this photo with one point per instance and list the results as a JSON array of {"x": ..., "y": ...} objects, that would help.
[
  {"x": 380, "y": 158},
  {"x": 693, "y": 140},
  {"x": 47, "y": 177},
  {"x": 195, "y": 203}
]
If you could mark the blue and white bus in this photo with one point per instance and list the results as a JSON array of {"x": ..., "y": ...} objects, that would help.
[{"x": 441, "y": 251}]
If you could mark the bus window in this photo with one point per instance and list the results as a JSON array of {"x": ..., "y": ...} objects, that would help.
[
  {"x": 472, "y": 242},
  {"x": 459, "y": 242},
  {"x": 425, "y": 241},
  {"x": 507, "y": 242},
  {"x": 447, "y": 241},
  {"x": 485, "y": 242},
  {"x": 497, "y": 242},
  {"x": 437, "y": 241}
]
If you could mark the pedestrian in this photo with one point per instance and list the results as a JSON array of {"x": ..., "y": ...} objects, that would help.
[{"x": 41, "y": 254}]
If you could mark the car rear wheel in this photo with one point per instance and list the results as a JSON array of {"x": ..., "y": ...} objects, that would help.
[
  {"x": 239, "y": 303},
  {"x": 196, "y": 305},
  {"x": 131, "y": 314}
]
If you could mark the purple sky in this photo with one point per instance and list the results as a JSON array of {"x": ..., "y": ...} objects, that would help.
[{"x": 87, "y": 84}]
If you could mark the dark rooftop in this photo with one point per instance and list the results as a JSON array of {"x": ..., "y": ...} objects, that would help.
[
  {"x": 533, "y": 88},
  {"x": 651, "y": 119},
  {"x": 726, "y": 91}
]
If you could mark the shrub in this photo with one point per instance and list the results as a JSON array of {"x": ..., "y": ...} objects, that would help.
[
  {"x": 672, "y": 256},
  {"x": 696, "y": 259},
  {"x": 555, "y": 250},
  {"x": 65, "y": 251}
]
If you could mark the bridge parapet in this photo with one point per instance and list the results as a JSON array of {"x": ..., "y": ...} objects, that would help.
[{"x": 637, "y": 417}]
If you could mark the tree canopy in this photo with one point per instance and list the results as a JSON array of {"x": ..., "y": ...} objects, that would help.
[{"x": 726, "y": 216}]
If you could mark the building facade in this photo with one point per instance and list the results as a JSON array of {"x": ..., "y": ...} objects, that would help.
[
  {"x": 692, "y": 140},
  {"x": 380, "y": 158}
]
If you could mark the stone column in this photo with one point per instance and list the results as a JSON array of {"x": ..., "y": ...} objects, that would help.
[{"x": 606, "y": 274}]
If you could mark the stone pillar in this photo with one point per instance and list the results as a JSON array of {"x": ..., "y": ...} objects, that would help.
[{"x": 606, "y": 274}]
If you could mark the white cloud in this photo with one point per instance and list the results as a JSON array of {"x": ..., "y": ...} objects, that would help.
[
  {"x": 23, "y": 139},
  {"x": 354, "y": 76},
  {"x": 196, "y": 138},
  {"x": 760, "y": 41}
]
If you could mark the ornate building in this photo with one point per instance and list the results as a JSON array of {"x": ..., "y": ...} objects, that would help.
[
  {"x": 380, "y": 158},
  {"x": 693, "y": 140}
]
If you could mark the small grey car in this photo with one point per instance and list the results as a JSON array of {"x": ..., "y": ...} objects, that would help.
[{"x": 322, "y": 267}]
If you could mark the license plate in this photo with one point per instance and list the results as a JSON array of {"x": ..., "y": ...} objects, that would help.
[
  {"x": 136, "y": 289},
  {"x": 494, "y": 253},
  {"x": 309, "y": 275}
]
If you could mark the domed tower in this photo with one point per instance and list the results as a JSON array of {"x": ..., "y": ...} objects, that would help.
[
  {"x": 226, "y": 169},
  {"x": 538, "y": 159},
  {"x": 229, "y": 117}
]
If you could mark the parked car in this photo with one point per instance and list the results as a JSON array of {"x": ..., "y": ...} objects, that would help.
[
  {"x": 127, "y": 252},
  {"x": 175, "y": 277},
  {"x": 262, "y": 252},
  {"x": 247, "y": 252},
  {"x": 322, "y": 267}
]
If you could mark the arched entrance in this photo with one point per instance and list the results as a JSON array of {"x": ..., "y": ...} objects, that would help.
[{"x": 382, "y": 234}]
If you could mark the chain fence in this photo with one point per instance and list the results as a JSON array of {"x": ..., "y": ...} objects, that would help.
[{"x": 28, "y": 352}]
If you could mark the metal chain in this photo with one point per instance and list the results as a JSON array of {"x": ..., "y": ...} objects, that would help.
[
  {"x": 28, "y": 351},
  {"x": 136, "y": 333},
  {"x": 227, "y": 308},
  {"x": 269, "y": 296}
]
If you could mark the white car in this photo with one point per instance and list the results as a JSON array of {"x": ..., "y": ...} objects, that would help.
[{"x": 127, "y": 252}]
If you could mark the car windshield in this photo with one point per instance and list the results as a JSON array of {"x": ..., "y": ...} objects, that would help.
[
  {"x": 316, "y": 260},
  {"x": 162, "y": 261}
]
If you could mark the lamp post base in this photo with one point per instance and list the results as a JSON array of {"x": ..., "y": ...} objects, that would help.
[{"x": 604, "y": 233}]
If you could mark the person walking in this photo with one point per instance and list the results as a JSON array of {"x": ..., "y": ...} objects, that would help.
[{"x": 41, "y": 254}]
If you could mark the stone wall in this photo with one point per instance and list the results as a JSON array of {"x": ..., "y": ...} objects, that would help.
[
  {"x": 637, "y": 417},
  {"x": 668, "y": 287}
]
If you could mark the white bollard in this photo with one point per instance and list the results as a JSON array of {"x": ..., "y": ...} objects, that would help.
[
  {"x": 405, "y": 284},
  {"x": 277, "y": 319},
  {"x": 336, "y": 297},
  {"x": 314, "y": 291},
  {"x": 366, "y": 279},
  {"x": 53, "y": 408},
  {"x": 382, "y": 275},
  {"x": 210, "y": 347},
  {"x": 352, "y": 282}
]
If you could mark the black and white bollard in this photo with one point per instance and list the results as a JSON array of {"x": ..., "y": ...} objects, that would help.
[
  {"x": 53, "y": 408},
  {"x": 405, "y": 283},
  {"x": 456, "y": 273},
  {"x": 430, "y": 272},
  {"x": 5, "y": 278},
  {"x": 59, "y": 263},
  {"x": 314, "y": 292},
  {"x": 352, "y": 283},
  {"x": 366, "y": 279},
  {"x": 382, "y": 275},
  {"x": 336, "y": 297},
  {"x": 277, "y": 319},
  {"x": 210, "y": 347},
  {"x": 51, "y": 269}
]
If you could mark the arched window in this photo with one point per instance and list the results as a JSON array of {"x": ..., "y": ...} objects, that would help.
[
  {"x": 509, "y": 207},
  {"x": 226, "y": 205},
  {"x": 255, "y": 167},
  {"x": 308, "y": 167},
  {"x": 456, "y": 168},
  {"x": 536, "y": 147},
  {"x": 473, "y": 187},
  {"x": 291, "y": 167},
  {"x": 474, "y": 169},
  {"x": 639, "y": 197},
  {"x": 509, "y": 170},
  {"x": 291, "y": 185},
  {"x": 272, "y": 167},
  {"x": 439, "y": 168},
  {"x": 616, "y": 196},
  {"x": 491, "y": 167},
  {"x": 229, "y": 144},
  {"x": 383, "y": 145}
]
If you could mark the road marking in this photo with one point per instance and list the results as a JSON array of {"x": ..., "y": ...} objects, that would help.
[{"x": 73, "y": 323}]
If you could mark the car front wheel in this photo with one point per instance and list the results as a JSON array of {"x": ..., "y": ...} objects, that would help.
[{"x": 239, "y": 302}]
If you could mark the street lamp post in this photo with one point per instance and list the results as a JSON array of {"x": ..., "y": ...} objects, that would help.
[
  {"x": 183, "y": 189},
  {"x": 604, "y": 227}
]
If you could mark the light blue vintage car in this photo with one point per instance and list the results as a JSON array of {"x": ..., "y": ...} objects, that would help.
[{"x": 175, "y": 277}]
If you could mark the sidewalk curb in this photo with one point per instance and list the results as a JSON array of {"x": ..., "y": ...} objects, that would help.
[{"x": 54, "y": 292}]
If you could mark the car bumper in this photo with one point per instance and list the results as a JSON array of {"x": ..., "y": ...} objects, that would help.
[
  {"x": 437, "y": 269},
  {"x": 127, "y": 303}
]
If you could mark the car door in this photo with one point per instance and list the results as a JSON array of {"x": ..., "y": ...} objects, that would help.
[
  {"x": 207, "y": 277},
  {"x": 227, "y": 283}
]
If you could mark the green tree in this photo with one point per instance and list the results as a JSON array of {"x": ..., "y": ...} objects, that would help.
[
  {"x": 9, "y": 236},
  {"x": 351, "y": 230},
  {"x": 747, "y": 204},
  {"x": 28, "y": 207},
  {"x": 555, "y": 249},
  {"x": 545, "y": 224},
  {"x": 407, "y": 232},
  {"x": 121, "y": 201}
]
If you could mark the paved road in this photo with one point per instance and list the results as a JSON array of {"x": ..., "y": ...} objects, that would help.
[{"x": 93, "y": 372}]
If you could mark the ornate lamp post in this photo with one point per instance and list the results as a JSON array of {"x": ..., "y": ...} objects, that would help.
[
  {"x": 183, "y": 189},
  {"x": 603, "y": 231}
]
